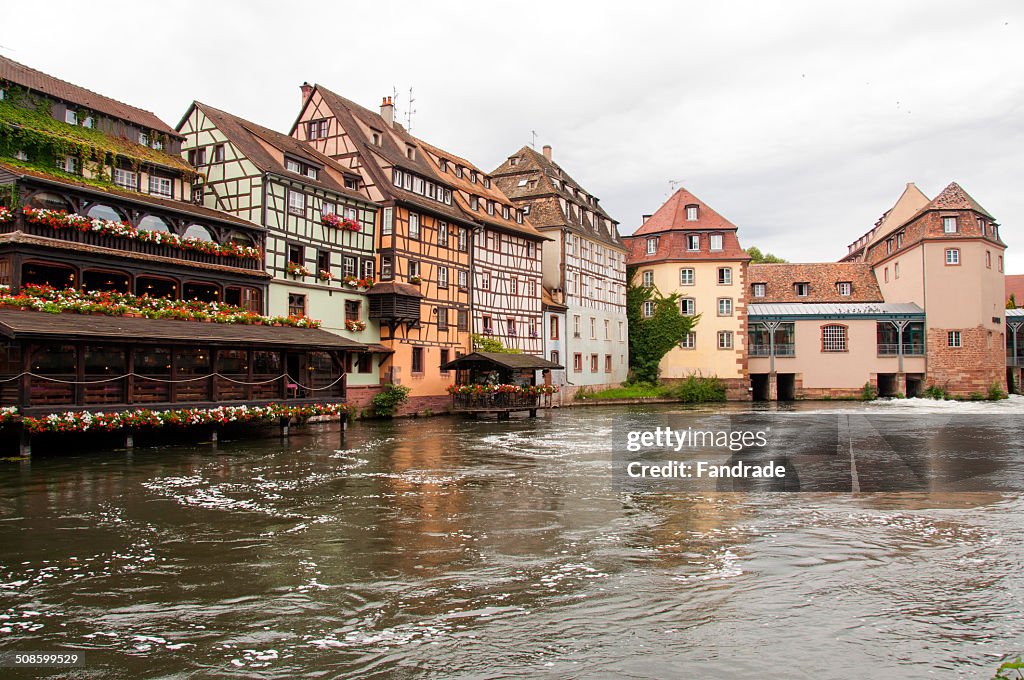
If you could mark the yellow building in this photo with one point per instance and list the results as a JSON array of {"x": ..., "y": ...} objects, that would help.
[{"x": 687, "y": 248}]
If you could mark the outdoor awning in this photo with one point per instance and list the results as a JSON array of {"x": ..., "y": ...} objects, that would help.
[
  {"x": 17, "y": 324},
  {"x": 513, "y": 362}
]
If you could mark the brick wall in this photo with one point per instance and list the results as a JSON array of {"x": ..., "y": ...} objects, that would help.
[{"x": 973, "y": 367}]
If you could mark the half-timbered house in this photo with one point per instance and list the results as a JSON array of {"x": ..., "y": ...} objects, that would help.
[
  {"x": 320, "y": 225},
  {"x": 424, "y": 239},
  {"x": 98, "y": 223},
  {"x": 507, "y": 251},
  {"x": 584, "y": 265}
]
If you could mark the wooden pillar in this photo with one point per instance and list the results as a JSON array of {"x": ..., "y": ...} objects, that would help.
[
  {"x": 129, "y": 387},
  {"x": 25, "y": 388},
  {"x": 284, "y": 380},
  {"x": 80, "y": 372},
  {"x": 172, "y": 387},
  {"x": 213, "y": 387},
  {"x": 249, "y": 375}
]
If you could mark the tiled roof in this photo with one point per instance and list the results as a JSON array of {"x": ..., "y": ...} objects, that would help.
[
  {"x": 544, "y": 183},
  {"x": 672, "y": 248},
  {"x": 780, "y": 281},
  {"x": 29, "y": 78},
  {"x": 492, "y": 193},
  {"x": 671, "y": 216},
  {"x": 953, "y": 197},
  {"x": 252, "y": 140},
  {"x": 548, "y": 301},
  {"x": 1015, "y": 285},
  {"x": 166, "y": 203}
]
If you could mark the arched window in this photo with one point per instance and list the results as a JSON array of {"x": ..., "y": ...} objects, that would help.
[
  {"x": 833, "y": 338},
  {"x": 241, "y": 238},
  {"x": 58, "y": 276},
  {"x": 153, "y": 223},
  {"x": 205, "y": 292},
  {"x": 156, "y": 287},
  {"x": 198, "y": 231},
  {"x": 95, "y": 279},
  {"x": 104, "y": 212},
  {"x": 49, "y": 201}
]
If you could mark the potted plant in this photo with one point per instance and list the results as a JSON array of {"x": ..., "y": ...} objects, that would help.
[{"x": 297, "y": 270}]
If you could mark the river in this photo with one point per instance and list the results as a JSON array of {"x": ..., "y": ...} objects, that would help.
[{"x": 443, "y": 547}]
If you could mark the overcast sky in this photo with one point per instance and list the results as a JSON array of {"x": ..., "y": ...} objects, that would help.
[{"x": 800, "y": 122}]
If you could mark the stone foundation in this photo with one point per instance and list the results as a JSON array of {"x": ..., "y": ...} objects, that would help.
[{"x": 971, "y": 368}]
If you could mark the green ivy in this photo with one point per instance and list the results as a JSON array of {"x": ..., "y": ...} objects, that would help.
[
  {"x": 652, "y": 338},
  {"x": 483, "y": 343},
  {"x": 386, "y": 402}
]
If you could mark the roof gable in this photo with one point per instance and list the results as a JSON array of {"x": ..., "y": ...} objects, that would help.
[
  {"x": 671, "y": 216},
  {"x": 822, "y": 278},
  {"x": 953, "y": 197}
]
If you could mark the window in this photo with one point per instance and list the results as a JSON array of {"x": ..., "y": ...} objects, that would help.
[
  {"x": 510, "y": 325},
  {"x": 296, "y": 255},
  {"x": 387, "y": 221},
  {"x": 724, "y": 339},
  {"x": 691, "y": 213},
  {"x": 292, "y": 166},
  {"x": 1000, "y": 263},
  {"x": 444, "y": 359},
  {"x": 486, "y": 321},
  {"x": 553, "y": 324},
  {"x": 463, "y": 239},
  {"x": 725, "y": 276},
  {"x": 949, "y": 225},
  {"x": 474, "y": 203},
  {"x": 68, "y": 164},
  {"x": 410, "y": 152},
  {"x": 693, "y": 241},
  {"x": 88, "y": 121},
  {"x": 554, "y": 356},
  {"x": 576, "y": 323},
  {"x": 648, "y": 278},
  {"x": 386, "y": 267},
  {"x": 607, "y": 329},
  {"x": 886, "y": 277},
  {"x": 296, "y": 202},
  {"x": 368, "y": 268},
  {"x": 607, "y": 363},
  {"x": 593, "y": 363},
  {"x": 311, "y": 172},
  {"x": 687, "y": 306},
  {"x": 758, "y": 289},
  {"x": 417, "y": 360},
  {"x": 442, "y": 234},
  {"x": 349, "y": 266},
  {"x": 513, "y": 286},
  {"x": 648, "y": 309},
  {"x": 716, "y": 242},
  {"x": 71, "y": 117},
  {"x": 296, "y": 304},
  {"x": 418, "y": 186},
  {"x": 988, "y": 259},
  {"x": 577, "y": 362},
  {"x": 485, "y": 281},
  {"x": 953, "y": 339},
  {"x": 442, "y": 277},
  {"x": 462, "y": 319},
  {"x": 952, "y": 256},
  {"x": 463, "y": 279},
  {"x": 126, "y": 179},
  {"x": 218, "y": 153},
  {"x": 896, "y": 269},
  {"x": 685, "y": 277},
  {"x": 201, "y": 156},
  {"x": 328, "y": 208},
  {"x": 844, "y": 288},
  {"x": 593, "y": 328},
  {"x": 160, "y": 186},
  {"x": 414, "y": 269},
  {"x": 833, "y": 338},
  {"x": 689, "y": 341},
  {"x": 652, "y": 246},
  {"x": 442, "y": 318},
  {"x": 323, "y": 261},
  {"x": 414, "y": 226},
  {"x": 351, "y": 310},
  {"x": 724, "y": 306},
  {"x": 802, "y": 289},
  {"x": 143, "y": 139}
]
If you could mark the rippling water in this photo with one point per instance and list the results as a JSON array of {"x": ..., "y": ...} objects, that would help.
[{"x": 443, "y": 547}]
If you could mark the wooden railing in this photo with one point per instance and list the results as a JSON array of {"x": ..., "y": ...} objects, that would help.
[
  {"x": 129, "y": 245},
  {"x": 498, "y": 402}
]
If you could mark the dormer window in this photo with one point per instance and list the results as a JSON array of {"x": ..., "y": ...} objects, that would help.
[
  {"x": 981, "y": 226},
  {"x": 410, "y": 153},
  {"x": 218, "y": 153},
  {"x": 526, "y": 210},
  {"x": 802, "y": 289},
  {"x": 472, "y": 176},
  {"x": 691, "y": 213},
  {"x": 458, "y": 171},
  {"x": 311, "y": 173},
  {"x": 844, "y": 288},
  {"x": 71, "y": 117},
  {"x": 693, "y": 242},
  {"x": 375, "y": 138},
  {"x": 490, "y": 207},
  {"x": 513, "y": 161},
  {"x": 487, "y": 182},
  {"x": 758, "y": 289},
  {"x": 523, "y": 183},
  {"x": 158, "y": 144},
  {"x": 88, "y": 122},
  {"x": 519, "y": 216},
  {"x": 474, "y": 203},
  {"x": 652, "y": 246},
  {"x": 443, "y": 164},
  {"x": 949, "y": 225},
  {"x": 504, "y": 211},
  {"x": 143, "y": 139},
  {"x": 292, "y": 166},
  {"x": 716, "y": 241}
]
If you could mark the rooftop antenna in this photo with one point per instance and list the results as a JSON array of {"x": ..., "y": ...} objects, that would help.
[
  {"x": 409, "y": 112},
  {"x": 534, "y": 142},
  {"x": 673, "y": 184}
]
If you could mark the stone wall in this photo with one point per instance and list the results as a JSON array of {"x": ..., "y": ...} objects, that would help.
[{"x": 973, "y": 367}]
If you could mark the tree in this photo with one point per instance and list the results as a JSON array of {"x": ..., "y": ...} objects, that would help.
[
  {"x": 482, "y": 343},
  {"x": 1011, "y": 303},
  {"x": 757, "y": 257},
  {"x": 652, "y": 337}
]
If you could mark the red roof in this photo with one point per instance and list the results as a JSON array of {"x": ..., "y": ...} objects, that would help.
[
  {"x": 26, "y": 77},
  {"x": 672, "y": 247},
  {"x": 1015, "y": 285},
  {"x": 672, "y": 216}
]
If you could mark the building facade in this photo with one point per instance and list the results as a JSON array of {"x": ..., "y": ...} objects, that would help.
[
  {"x": 584, "y": 267},
  {"x": 685, "y": 247},
  {"x": 320, "y": 228},
  {"x": 424, "y": 240}
]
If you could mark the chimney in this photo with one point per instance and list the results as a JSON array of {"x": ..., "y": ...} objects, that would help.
[
  {"x": 646, "y": 217},
  {"x": 547, "y": 151},
  {"x": 307, "y": 90},
  {"x": 387, "y": 111}
]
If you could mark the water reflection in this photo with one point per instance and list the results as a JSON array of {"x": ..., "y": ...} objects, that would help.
[{"x": 447, "y": 547}]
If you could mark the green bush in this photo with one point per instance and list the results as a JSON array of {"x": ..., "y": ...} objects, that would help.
[
  {"x": 936, "y": 392},
  {"x": 868, "y": 392},
  {"x": 386, "y": 402},
  {"x": 995, "y": 392},
  {"x": 696, "y": 389}
]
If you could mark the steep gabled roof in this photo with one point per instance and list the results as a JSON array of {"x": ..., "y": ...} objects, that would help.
[
  {"x": 671, "y": 216},
  {"x": 530, "y": 161},
  {"x": 822, "y": 277},
  {"x": 247, "y": 136},
  {"x": 953, "y": 197},
  {"x": 31, "y": 79}
]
